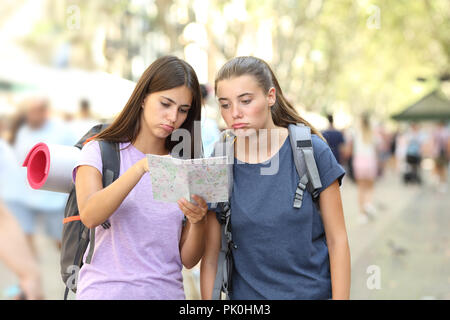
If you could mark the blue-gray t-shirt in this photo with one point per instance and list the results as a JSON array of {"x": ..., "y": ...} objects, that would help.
[{"x": 281, "y": 251}]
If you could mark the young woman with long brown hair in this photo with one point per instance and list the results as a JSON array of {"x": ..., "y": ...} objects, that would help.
[
  {"x": 279, "y": 252},
  {"x": 141, "y": 255}
]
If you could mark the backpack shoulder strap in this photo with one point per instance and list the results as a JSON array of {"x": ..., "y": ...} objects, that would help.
[
  {"x": 301, "y": 143},
  {"x": 110, "y": 160},
  {"x": 92, "y": 132},
  {"x": 111, "y": 170}
]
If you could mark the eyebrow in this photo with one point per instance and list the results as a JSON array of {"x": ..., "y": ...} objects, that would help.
[
  {"x": 183, "y": 105},
  {"x": 239, "y": 96}
]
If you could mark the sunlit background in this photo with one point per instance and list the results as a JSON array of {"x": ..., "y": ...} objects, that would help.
[
  {"x": 346, "y": 57},
  {"x": 342, "y": 56}
]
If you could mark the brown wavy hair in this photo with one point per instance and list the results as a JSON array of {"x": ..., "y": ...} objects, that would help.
[
  {"x": 165, "y": 73},
  {"x": 283, "y": 113}
]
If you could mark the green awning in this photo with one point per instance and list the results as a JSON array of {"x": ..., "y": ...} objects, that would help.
[
  {"x": 434, "y": 106},
  {"x": 16, "y": 87}
]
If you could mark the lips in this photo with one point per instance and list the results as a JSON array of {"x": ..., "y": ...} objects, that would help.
[
  {"x": 167, "y": 127},
  {"x": 239, "y": 125}
]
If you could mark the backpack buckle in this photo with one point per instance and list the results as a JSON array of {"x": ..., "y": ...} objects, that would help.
[
  {"x": 298, "y": 198},
  {"x": 224, "y": 212},
  {"x": 106, "y": 225}
]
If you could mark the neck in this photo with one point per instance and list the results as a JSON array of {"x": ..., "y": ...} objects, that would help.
[{"x": 261, "y": 145}]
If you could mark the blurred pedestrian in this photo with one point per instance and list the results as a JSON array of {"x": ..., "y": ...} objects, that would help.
[
  {"x": 36, "y": 204},
  {"x": 441, "y": 139},
  {"x": 400, "y": 151},
  {"x": 347, "y": 155},
  {"x": 414, "y": 139},
  {"x": 383, "y": 148},
  {"x": 210, "y": 130},
  {"x": 11, "y": 186},
  {"x": 84, "y": 121},
  {"x": 15, "y": 251},
  {"x": 392, "y": 163},
  {"x": 335, "y": 139},
  {"x": 365, "y": 166}
]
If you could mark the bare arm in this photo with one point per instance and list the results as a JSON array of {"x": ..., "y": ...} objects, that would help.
[
  {"x": 336, "y": 235},
  {"x": 192, "y": 241},
  {"x": 208, "y": 266},
  {"x": 16, "y": 254},
  {"x": 95, "y": 203}
]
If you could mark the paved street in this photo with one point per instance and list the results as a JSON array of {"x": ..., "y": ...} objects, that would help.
[{"x": 408, "y": 245}]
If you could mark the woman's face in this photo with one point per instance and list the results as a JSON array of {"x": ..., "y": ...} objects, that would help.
[
  {"x": 165, "y": 111},
  {"x": 244, "y": 105}
]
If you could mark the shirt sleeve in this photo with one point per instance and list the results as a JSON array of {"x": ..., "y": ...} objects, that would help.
[
  {"x": 329, "y": 169},
  {"x": 90, "y": 156}
]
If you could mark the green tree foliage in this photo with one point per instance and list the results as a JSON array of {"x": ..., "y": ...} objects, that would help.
[{"x": 361, "y": 55}]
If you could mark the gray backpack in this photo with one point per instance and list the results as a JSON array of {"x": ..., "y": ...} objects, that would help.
[{"x": 301, "y": 143}]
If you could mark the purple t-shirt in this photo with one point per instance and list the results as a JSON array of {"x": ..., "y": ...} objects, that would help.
[{"x": 139, "y": 256}]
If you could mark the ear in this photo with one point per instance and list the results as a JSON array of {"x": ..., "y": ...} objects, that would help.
[
  {"x": 143, "y": 102},
  {"x": 272, "y": 96}
]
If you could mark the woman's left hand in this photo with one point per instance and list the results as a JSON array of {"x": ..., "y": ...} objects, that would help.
[{"x": 194, "y": 213}]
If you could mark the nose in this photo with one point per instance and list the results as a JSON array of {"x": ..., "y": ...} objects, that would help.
[
  {"x": 235, "y": 111},
  {"x": 172, "y": 115}
]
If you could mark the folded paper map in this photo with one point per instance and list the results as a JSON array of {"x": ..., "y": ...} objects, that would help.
[{"x": 174, "y": 178}]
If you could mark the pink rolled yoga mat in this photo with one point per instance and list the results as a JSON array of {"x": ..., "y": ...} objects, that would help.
[{"x": 49, "y": 167}]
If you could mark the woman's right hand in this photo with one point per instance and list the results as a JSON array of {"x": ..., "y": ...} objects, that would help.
[{"x": 143, "y": 164}]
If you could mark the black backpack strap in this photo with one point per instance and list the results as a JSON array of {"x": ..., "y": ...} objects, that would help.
[
  {"x": 93, "y": 131},
  {"x": 111, "y": 170},
  {"x": 66, "y": 293},
  {"x": 111, "y": 161},
  {"x": 111, "y": 166}
]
